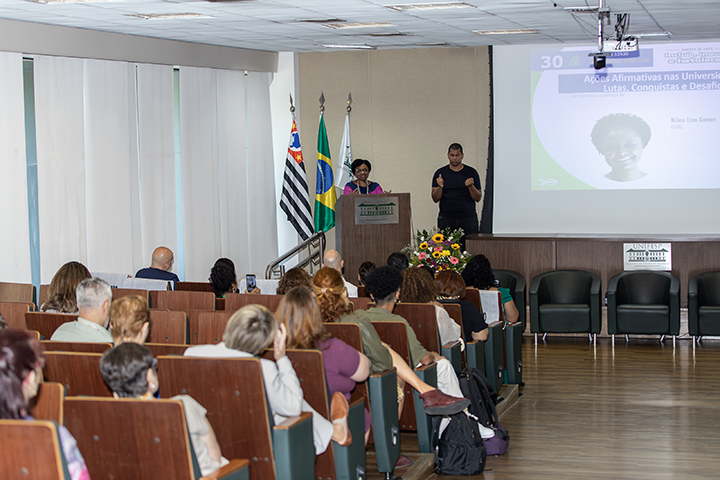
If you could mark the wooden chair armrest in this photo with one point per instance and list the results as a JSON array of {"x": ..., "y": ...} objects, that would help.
[
  {"x": 292, "y": 421},
  {"x": 425, "y": 367},
  {"x": 383, "y": 373},
  {"x": 452, "y": 344},
  {"x": 513, "y": 324},
  {"x": 234, "y": 466},
  {"x": 494, "y": 324}
]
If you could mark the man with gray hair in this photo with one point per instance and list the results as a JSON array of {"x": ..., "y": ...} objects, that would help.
[
  {"x": 332, "y": 259},
  {"x": 93, "y": 300}
]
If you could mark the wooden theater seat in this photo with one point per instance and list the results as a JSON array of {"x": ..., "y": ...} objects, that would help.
[
  {"x": 194, "y": 286},
  {"x": 78, "y": 372},
  {"x": 423, "y": 320},
  {"x": 47, "y": 323},
  {"x": 336, "y": 462},
  {"x": 78, "y": 347},
  {"x": 155, "y": 444},
  {"x": 17, "y": 292},
  {"x": 379, "y": 393},
  {"x": 168, "y": 327},
  {"x": 206, "y": 327},
  {"x": 166, "y": 349},
  {"x": 48, "y": 404},
  {"x": 235, "y": 301},
  {"x": 413, "y": 415},
  {"x": 233, "y": 392},
  {"x": 14, "y": 313},
  {"x": 31, "y": 450},
  {"x": 178, "y": 300},
  {"x": 361, "y": 303}
]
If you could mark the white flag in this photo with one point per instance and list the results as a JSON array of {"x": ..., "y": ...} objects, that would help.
[{"x": 343, "y": 174}]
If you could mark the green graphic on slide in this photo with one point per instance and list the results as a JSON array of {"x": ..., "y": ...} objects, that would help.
[{"x": 546, "y": 174}]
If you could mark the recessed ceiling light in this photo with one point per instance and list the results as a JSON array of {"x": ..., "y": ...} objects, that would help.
[
  {"x": 428, "y": 6},
  {"x": 581, "y": 9},
  {"x": 349, "y": 46},
  {"x": 396, "y": 34},
  {"x": 167, "y": 16},
  {"x": 71, "y": 1},
  {"x": 321, "y": 20},
  {"x": 505, "y": 32},
  {"x": 340, "y": 26}
]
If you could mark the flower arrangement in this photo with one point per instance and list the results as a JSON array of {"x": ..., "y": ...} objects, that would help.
[{"x": 439, "y": 250}]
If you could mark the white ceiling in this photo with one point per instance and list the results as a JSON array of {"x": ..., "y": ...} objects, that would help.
[{"x": 274, "y": 25}]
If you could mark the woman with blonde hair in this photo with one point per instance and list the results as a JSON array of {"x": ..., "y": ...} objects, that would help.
[
  {"x": 129, "y": 320},
  {"x": 344, "y": 366},
  {"x": 61, "y": 294}
]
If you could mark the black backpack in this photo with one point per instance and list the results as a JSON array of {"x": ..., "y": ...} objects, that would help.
[
  {"x": 476, "y": 387},
  {"x": 459, "y": 450}
]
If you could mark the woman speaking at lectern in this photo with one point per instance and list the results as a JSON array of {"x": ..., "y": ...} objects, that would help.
[{"x": 361, "y": 170}]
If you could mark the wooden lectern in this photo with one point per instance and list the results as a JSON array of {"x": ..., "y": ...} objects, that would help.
[{"x": 371, "y": 227}]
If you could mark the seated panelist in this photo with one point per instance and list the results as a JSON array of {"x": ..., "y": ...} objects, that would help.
[{"x": 361, "y": 170}]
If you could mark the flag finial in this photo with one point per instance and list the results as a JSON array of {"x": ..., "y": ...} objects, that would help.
[
  {"x": 292, "y": 107},
  {"x": 322, "y": 102},
  {"x": 349, "y": 102}
]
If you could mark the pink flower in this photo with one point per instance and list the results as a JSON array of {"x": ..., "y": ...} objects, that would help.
[
  {"x": 438, "y": 249},
  {"x": 454, "y": 260},
  {"x": 422, "y": 256}
]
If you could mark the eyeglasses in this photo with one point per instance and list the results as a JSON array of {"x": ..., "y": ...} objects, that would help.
[
  {"x": 361, "y": 170},
  {"x": 154, "y": 364}
]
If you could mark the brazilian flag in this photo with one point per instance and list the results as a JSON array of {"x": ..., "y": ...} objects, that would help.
[{"x": 325, "y": 189}]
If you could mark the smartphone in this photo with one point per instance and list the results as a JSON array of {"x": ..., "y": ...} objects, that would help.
[{"x": 250, "y": 282}]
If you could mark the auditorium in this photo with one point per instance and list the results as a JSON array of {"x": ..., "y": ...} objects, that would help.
[{"x": 167, "y": 136}]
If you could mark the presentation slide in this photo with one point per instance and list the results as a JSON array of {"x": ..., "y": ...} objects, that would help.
[
  {"x": 630, "y": 148},
  {"x": 645, "y": 121}
]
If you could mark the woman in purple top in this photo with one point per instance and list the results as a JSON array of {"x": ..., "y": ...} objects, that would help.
[
  {"x": 361, "y": 170},
  {"x": 21, "y": 366},
  {"x": 344, "y": 366}
]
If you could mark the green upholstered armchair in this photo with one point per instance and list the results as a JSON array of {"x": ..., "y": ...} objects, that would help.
[
  {"x": 565, "y": 301},
  {"x": 643, "y": 302},
  {"x": 704, "y": 304}
]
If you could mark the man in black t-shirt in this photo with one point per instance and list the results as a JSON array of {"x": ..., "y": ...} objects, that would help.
[{"x": 457, "y": 187}]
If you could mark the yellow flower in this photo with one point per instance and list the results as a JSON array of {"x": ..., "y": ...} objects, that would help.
[
  {"x": 446, "y": 253},
  {"x": 423, "y": 246},
  {"x": 455, "y": 246},
  {"x": 436, "y": 254},
  {"x": 437, "y": 238}
]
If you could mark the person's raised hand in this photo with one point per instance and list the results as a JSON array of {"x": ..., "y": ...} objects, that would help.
[
  {"x": 280, "y": 341},
  {"x": 469, "y": 181},
  {"x": 440, "y": 181}
]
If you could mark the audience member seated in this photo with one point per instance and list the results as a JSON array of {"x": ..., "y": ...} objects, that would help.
[
  {"x": 161, "y": 267},
  {"x": 363, "y": 270},
  {"x": 451, "y": 288},
  {"x": 129, "y": 371},
  {"x": 383, "y": 286},
  {"x": 398, "y": 260},
  {"x": 295, "y": 277},
  {"x": 418, "y": 286},
  {"x": 332, "y": 259},
  {"x": 248, "y": 333},
  {"x": 3, "y": 323},
  {"x": 61, "y": 294},
  {"x": 21, "y": 366},
  {"x": 129, "y": 320},
  {"x": 94, "y": 296},
  {"x": 344, "y": 366},
  {"x": 223, "y": 278},
  {"x": 478, "y": 273}
]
